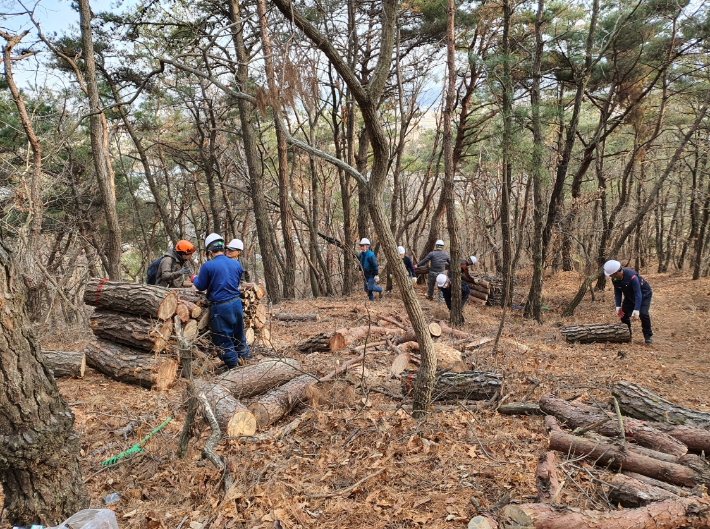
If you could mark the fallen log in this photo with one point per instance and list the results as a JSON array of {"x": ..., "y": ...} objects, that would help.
[
  {"x": 673, "y": 513},
  {"x": 476, "y": 299},
  {"x": 194, "y": 309},
  {"x": 233, "y": 417},
  {"x": 578, "y": 415},
  {"x": 65, "y": 363},
  {"x": 597, "y": 332},
  {"x": 445, "y": 354},
  {"x": 520, "y": 408},
  {"x": 678, "y": 491},
  {"x": 471, "y": 385},
  {"x": 348, "y": 336},
  {"x": 644, "y": 404},
  {"x": 319, "y": 343},
  {"x": 696, "y": 439},
  {"x": 478, "y": 295},
  {"x": 630, "y": 492},
  {"x": 280, "y": 401},
  {"x": 548, "y": 486},
  {"x": 132, "y": 298},
  {"x": 249, "y": 381},
  {"x": 285, "y": 316},
  {"x": 136, "y": 331},
  {"x": 130, "y": 366},
  {"x": 617, "y": 457}
]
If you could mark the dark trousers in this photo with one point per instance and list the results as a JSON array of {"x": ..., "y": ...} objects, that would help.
[
  {"x": 627, "y": 307},
  {"x": 227, "y": 325},
  {"x": 370, "y": 287},
  {"x": 431, "y": 284}
]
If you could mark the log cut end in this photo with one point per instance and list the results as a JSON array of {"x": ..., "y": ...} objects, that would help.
[
  {"x": 190, "y": 330},
  {"x": 166, "y": 373},
  {"x": 435, "y": 329},
  {"x": 249, "y": 336},
  {"x": 168, "y": 306},
  {"x": 241, "y": 423},
  {"x": 261, "y": 414},
  {"x": 337, "y": 342}
]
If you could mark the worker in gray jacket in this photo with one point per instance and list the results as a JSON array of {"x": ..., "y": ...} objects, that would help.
[{"x": 438, "y": 260}]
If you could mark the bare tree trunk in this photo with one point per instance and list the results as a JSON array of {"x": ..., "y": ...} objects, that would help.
[
  {"x": 39, "y": 456},
  {"x": 99, "y": 154}
]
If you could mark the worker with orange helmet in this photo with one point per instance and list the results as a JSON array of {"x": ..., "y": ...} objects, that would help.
[{"x": 173, "y": 269}]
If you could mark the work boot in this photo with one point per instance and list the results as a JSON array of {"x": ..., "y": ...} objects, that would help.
[
  {"x": 649, "y": 340},
  {"x": 380, "y": 296}
]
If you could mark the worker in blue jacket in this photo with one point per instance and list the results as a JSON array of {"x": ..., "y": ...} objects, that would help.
[
  {"x": 220, "y": 277},
  {"x": 636, "y": 293},
  {"x": 370, "y": 270}
]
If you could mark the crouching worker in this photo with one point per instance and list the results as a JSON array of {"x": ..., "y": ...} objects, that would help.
[
  {"x": 219, "y": 278},
  {"x": 636, "y": 293},
  {"x": 444, "y": 283}
]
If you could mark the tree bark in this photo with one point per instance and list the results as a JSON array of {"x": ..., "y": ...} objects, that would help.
[
  {"x": 65, "y": 363},
  {"x": 548, "y": 486},
  {"x": 254, "y": 380},
  {"x": 471, "y": 385},
  {"x": 280, "y": 401},
  {"x": 39, "y": 455},
  {"x": 520, "y": 408},
  {"x": 233, "y": 417},
  {"x": 631, "y": 493},
  {"x": 130, "y": 366},
  {"x": 99, "y": 154},
  {"x": 135, "y": 331},
  {"x": 644, "y": 404},
  {"x": 669, "y": 514},
  {"x": 581, "y": 415},
  {"x": 597, "y": 332},
  {"x": 320, "y": 343},
  {"x": 131, "y": 298}
]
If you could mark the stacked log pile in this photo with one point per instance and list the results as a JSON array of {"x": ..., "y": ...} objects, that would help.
[{"x": 485, "y": 289}]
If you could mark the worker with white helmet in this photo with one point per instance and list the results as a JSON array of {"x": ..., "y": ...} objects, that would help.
[
  {"x": 636, "y": 293},
  {"x": 233, "y": 250},
  {"x": 444, "y": 283},
  {"x": 437, "y": 259},
  {"x": 220, "y": 277},
  {"x": 407, "y": 263},
  {"x": 465, "y": 263},
  {"x": 370, "y": 269}
]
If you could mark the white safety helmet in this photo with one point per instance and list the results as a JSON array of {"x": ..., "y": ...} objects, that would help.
[
  {"x": 439, "y": 243},
  {"x": 400, "y": 249},
  {"x": 473, "y": 259},
  {"x": 441, "y": 280},
  {"x": 611, "y": 267},
  {"x": 365, "y": 240},
  {"x": 235, "y": 244},
  {"x": 211, "y": 238}
]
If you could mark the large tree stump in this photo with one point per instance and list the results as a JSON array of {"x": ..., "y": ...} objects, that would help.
[
  {"x": 246, "y": 382},
  {"x": 597, "y": 332},
  {"x": 136, "y": 331},
  {"x": 617, "y": 457},
  {"x": 65, "y": 363},
  {"x": 674, "y": 513},
  {"x": 130, "y": 366},
  {"x": 579, "y": 415},
  {"x": 280, "y": 401},
  {"x": 133, "y": 298},
  {"x": 630, "y": 492},
  {"x": 470, "y": 385},
  {"x": 642, "y": 403},
  {"x": 233, "y": 417}
]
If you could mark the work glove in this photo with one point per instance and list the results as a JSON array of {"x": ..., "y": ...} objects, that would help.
[
  {"x": 185, "y": 270},
  {"x": 635, "y": 315},
  {"x": 619, "y": 313},
  {"x": 377, "y": 279}
]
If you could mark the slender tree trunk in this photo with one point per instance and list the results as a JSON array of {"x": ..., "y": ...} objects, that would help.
[
  {"x": 99, "y": 154},
  {"x": 39, "y": 456}
]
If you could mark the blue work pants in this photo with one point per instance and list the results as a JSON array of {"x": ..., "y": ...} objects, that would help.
[
  {"x": 370, "y": 287},
  {"x": 227, "y": 325}
]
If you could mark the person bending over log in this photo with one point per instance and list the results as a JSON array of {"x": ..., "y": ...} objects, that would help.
[
  {"x": 444, "y": 284},
  {"x": 171, "y": 269},
  {"x": 437, "y": 259},
  {"x": 233, "y": 250},
  {"x": 636, "y": 294},
  {"x": 370, "y": 270},
  {"x": 220, "y": 277}
]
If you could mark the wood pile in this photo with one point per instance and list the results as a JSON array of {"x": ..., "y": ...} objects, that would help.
[{"x": 493, "y": 286}]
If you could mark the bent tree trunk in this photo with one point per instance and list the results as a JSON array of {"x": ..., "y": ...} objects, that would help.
[{"x": 39, "y": 454}]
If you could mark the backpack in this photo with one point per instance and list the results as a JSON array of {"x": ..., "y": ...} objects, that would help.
[{"x": 151, "y": 277}]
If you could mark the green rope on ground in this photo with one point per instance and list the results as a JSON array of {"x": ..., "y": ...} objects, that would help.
[{"x": 138, "y": 447}]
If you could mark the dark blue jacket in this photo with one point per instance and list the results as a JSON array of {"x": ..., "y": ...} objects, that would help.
[
  {"x": 409, "y": 266},
  {"x": 632, "y": 286},
  {"x": 368, "y": 262},
  {"x": 465, "y": 293},
  {"x": 220, "y": 277}
]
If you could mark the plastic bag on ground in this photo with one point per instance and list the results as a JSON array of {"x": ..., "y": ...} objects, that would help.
[{"x": 90, "y": 519}]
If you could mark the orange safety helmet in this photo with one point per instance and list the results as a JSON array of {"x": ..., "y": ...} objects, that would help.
[{"x": 185, "y": 247}]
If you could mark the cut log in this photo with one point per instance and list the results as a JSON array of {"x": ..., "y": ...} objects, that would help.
[
  {"x": 478, "y": 300},
  {"x": 204, "y": 320},
  {"x": 409, "y": 336},
  {"x": 678, "y": 491},
  {"x": 65, "y": 363},
  {"x": 349, "y": 336},
  {"x": 233, "y": 417},
  {"x": 642, "y": 403},
  {"x": 249, "y": 335},
  {"x": 131, "y": 366},
  {"x": 280, "y": 401},
  {"x": 548, "y": 486},
  {"x": 255, "y": 288},
  {"x": 478, "y": 288},
  {"x": 136, "y": 331},
  {"x": 435, "y": 329},
  {"x": 455, "y": 332},
  {"x": 190, "y": 331},
  {"x": 246, "y": 382},
  {"x": 616, "y": 457},
  {"x": 286, "y": 316},
  {"x": 320, "y": 343},
  {"x": 597, "y": 332},
  {"x": 578, "y": 415},
  {"x": 695, "y": 438},
  {"x": 675, "y": 513},
  {"x": 261, "y": 314},
  {"x": 445, "y": 354},
  {"x": 630, "y": 492},
  {"x": 399, "y": 364},
  {"x": 520, "y": 408},
  {"x": 192, "y": 296},
  {"x": 195, "y": 310},
  {"x": 264, "y": 336},
  {"x": 478, "y": 295},
  {"x": 471, "y": 385},
  {"x": 132, "y": 298},
  {"x": 183, "y": 312}
]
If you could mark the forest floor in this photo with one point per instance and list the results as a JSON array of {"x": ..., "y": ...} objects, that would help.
[{"x": 431, "y": 473}]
